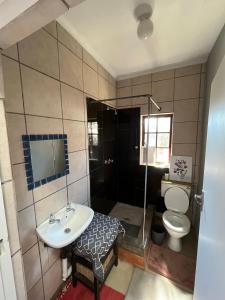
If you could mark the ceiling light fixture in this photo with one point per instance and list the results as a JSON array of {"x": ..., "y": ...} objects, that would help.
[{"x": 142, "y": 13}]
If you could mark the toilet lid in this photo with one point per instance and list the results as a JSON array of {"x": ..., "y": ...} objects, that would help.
[{"x": 176, "y": 199}]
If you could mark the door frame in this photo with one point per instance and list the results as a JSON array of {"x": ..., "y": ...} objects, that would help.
[{"x": 7, "y": 282}]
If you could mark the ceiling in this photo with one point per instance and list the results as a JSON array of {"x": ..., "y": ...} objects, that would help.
[{"x": 184, "y": 33}]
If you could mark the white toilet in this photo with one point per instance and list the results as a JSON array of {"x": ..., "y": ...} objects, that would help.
[{"x": 176, "y": 198}]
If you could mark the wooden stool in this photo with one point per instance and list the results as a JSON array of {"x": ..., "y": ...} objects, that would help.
[{"x": 82, "y": 269}]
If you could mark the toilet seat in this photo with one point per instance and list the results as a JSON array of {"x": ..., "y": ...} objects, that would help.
[{"x": 176, "y": 221}]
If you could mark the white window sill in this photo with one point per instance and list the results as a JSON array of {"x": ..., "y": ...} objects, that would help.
[{"x": 161, "y": 166}]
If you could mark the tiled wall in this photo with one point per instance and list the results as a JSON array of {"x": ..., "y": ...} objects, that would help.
[
  {"x": 9, "y": 197},
  {"x": 180, "y": 91},
  {"x": 47, "y": 76}
]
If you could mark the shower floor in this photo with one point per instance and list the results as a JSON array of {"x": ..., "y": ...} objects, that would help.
[{"x": 131, "y": 218}]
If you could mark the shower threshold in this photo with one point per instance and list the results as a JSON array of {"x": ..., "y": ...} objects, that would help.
[{"x": 131, "y": 217}]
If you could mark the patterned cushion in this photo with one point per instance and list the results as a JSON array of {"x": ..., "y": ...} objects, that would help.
[{"x": 97, "y": 239}]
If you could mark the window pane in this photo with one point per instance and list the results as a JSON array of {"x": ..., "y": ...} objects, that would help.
[
  {"x": 152, "y": 140},
  {"x": 164, "y": 124},
  {"x": 163, "y": 140},
  {"x": 151, "y": 155},
  {"x": 152, "y": 124},
  {"x": 162, "y": 155}
]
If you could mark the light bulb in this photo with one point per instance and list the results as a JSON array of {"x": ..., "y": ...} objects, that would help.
[{"x": 145, "y": 29}]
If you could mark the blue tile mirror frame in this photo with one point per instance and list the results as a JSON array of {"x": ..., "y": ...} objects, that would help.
[{"x": 46, "y": 158}]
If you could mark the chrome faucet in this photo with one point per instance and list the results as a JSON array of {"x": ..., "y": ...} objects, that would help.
[
  {"x": 69, "y": 207},
  {"x": 52, "y": 219}
]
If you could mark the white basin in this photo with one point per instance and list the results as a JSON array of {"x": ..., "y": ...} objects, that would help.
[{"x": 72, "y": 224}]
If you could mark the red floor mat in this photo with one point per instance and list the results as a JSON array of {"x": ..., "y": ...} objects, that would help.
[
  {"x": 80, "y": 292},
  {"x": 172, "y": 265}
]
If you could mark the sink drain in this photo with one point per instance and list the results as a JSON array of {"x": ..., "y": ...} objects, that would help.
[{"x": 67, "y": 230}]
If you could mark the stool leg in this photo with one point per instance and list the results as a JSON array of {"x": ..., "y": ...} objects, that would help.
[
  {"x": 74, "y": 270},
  {"x": 116, "y": 254},
  {"x": 96, "y": 289}
]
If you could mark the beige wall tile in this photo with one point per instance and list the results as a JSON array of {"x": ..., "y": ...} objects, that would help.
[
  {"x": 163, "y": 90},
  {"x": 102, "y": 71},
  {"x": 51, "y": 28},
  {"x": 48, "y": 256},
  {"x": 19, "y": 276},
  {"x": 72, "y": 103},
  {"x": 203, "y": 85},
  {"x": 49, "y": 188},
  {"x": 201, "y": 109},
  {"x": 77, "y": 166},
  {"x": 11, "y": 52},
  {"x": 77, "y": 192},
  {"x": 90, "y": 80},
  {"x": 76, "y": 135},
  {"x": 204, "y": 67},
  {"x": 24, "y": 197},
  {"x": 124, "y": 91},
  {"x": 41, "y": 94},
  {"x": 70, "y": 68},
  {"x": 36, "y": 292},
  {"x": 50, "y": 204},
  {"x": 189, "y": 70},
  {"x": 66, "y": 39},
  {"x": 186, "y": 110},
  {"x": 12, "y": 83},
  {"x": 52, "y": 279},
  {"x": 166, "y": 107},
  {"x": 32, "y": 266},
  {"x": 5, "y": 166},
  {"x": 11, "y": 216},
  {"x": 27, "y": 228},
  {"x": 162, "y": 75},
  {"x": 41, "y": 125},
  {"x": 89, "y": 60},
  {"x": 198, "y": 154},
  {"x": 187, "y": 87},
  {"x": 199, "y": 135},
  {"x": 141, "y": 89},
  {"x": 141, "y": 79},
  {"x": 124, "y": 83},
  {"x": 16, "y": 128},
  {"x": 185, "y": 150},
  {"x": 103, "y": 88},
  {"x": 39, "y": 51},
  {"x": 185, "y": 132},
  {"x": 2, "y": 92},
  {"x": 112, "y": 94},
  {"x": 112, "y": 80}
]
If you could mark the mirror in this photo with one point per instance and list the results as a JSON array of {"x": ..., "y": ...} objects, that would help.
[{"x": 46, "y": 158}]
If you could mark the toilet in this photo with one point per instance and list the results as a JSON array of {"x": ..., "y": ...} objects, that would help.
[{"x": 176, "y": 198}]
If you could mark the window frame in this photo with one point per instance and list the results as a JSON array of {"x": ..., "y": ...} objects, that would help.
[{"x": 143, "y": 132}]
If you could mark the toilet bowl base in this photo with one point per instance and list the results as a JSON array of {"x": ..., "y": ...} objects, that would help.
[{"x": 175, "y": 244}]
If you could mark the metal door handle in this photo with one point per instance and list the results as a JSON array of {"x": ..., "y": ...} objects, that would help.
[
  {"x": 1, "y": 247},
  {"x": 199, "y": 198}
]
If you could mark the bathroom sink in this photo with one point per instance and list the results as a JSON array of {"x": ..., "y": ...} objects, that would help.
[{"x": 67, "y": 227}]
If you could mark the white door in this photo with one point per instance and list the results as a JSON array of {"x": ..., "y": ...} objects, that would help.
[
  {"x": 210, "y": 272},
  {"x": 7, "y": 284}
]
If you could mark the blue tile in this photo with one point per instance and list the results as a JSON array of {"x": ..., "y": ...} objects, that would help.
[
  {"x": 51, "y": 136},
  {"x": 60, "y": 136},
  {"x": 37, "y": 183},
  {"x": 25, "y": 137},
  {"x": 28, "y": 167},
  {"x": 33, "y": 137},
  {"x": 43, "y": 181},
  {"x": 30, "y": 187},
  {"x": 26, "y": 145}
]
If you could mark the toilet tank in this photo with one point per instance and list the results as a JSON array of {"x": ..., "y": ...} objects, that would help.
[{"x": 165, "y": 185}]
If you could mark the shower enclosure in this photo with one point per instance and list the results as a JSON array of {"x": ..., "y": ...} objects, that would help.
[{"x": 118, "y": 182}]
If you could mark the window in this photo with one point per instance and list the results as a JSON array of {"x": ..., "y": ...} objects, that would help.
[{"x": 159, "y": 128}]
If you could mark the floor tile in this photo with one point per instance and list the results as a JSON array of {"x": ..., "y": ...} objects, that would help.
[
  {"x": 148, "y": 285},
  {"x": 120, "y": 276}
]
